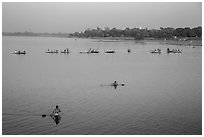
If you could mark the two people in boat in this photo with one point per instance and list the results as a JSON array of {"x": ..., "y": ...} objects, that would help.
[
  {"x": 20, "y": 52},
  {"x": 114, "y": 84},
  {"x": 66, "y": 50},
  {"x": 52, "y": 51},
  {"x": 174, "y": 50}
]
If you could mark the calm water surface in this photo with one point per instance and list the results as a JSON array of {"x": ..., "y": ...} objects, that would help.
[{"x": 162, "y": 93}]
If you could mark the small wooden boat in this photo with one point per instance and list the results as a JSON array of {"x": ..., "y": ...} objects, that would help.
[
  {"x": 19, "y": 52},
  {"x": 155, "y": 51},
  {"x": 52, "y": 51},
  {"x": 94, "y": 51},
  {"x": 88, "y": 51},
  {"x": 174, "y": 51},
  {"x": 109, "y": 51},
  {"x": 84, "y": 52},
  {"x": 66, "y": 51}
]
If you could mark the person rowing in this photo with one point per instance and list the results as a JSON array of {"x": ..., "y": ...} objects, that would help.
[
  {"x": 114, "y": 83},
  {"x": 56, "y": 110},
  {"x": 55, "y": 115}
]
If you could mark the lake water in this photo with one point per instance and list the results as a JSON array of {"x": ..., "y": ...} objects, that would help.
[{"x": 162, "y": 92}]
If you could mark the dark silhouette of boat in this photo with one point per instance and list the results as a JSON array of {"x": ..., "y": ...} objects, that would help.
[
  {"x": 52, "y": 51},
  {"x": 19, "y": 52},
  {"x": 156, "y": 51},
  {"x": 110, "y": 51},
  {"x": 174, "y": 51}
]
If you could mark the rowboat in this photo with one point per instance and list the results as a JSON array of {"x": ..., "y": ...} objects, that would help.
[
  {"x": 19, "y": 52},
  {"x": 66, "y": 52},
  {"x": 52, "y": 51},
  {"x": 94, "y": 51},
  {"x": 83, "y": 52},
  {"x": 156, "y": 51},
  {"x": 90, "y": 51},
  {"x": 174, "y": 51},
  {"x": 153, "y": 51},
  {"x": 110, "y": 51}
]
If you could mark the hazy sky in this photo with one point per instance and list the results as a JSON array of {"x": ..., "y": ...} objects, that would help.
[{"x": 70, "y": 17}]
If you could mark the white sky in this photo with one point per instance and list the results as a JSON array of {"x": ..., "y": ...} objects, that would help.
[{"x": 70, "y": 17}]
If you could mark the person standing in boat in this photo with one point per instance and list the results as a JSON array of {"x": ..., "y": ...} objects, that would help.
[
  {"x": 56, "y": 110},
  {"x": 115, "y": 83}
]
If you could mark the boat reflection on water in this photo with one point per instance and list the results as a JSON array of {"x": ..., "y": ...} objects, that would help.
[{"x": 56, "y": 117}]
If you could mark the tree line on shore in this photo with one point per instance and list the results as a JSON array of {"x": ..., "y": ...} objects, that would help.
[
  {"x": 134, "y": 33},
  {"x": 32, "y": 34},
  {"x": 139, "y": 34}
]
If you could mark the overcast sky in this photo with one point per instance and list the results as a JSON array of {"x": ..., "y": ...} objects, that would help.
[{"x": 71, "y": 17}]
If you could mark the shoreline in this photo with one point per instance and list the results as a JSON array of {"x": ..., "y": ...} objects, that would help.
[{"x": 195, "y": 42}]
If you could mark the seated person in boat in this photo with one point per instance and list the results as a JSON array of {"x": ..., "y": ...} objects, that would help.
[{"x": 56, "y": 110}]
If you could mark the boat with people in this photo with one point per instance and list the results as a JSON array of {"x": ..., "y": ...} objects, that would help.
[
  {"x": 158, "y": 50},
  {"x": 94, "y": 51},
  {"x": 174, "y": 51},
  {"x": 110, "y": 51},
  {"x": 52, "y": 51},
  {"x": 90, "y": 51},
  {"x": 66, "y": 51},
  {"x": 55, "y": 114},
  {"x": 115, "y": 84},
  {"x": 19, "y": 52}
]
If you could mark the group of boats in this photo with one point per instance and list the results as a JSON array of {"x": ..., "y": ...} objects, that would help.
[
  {"x": 67, "y": 51},
  {"x": 83, "y": 52},
  {"x": 158, "y": 50}
]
